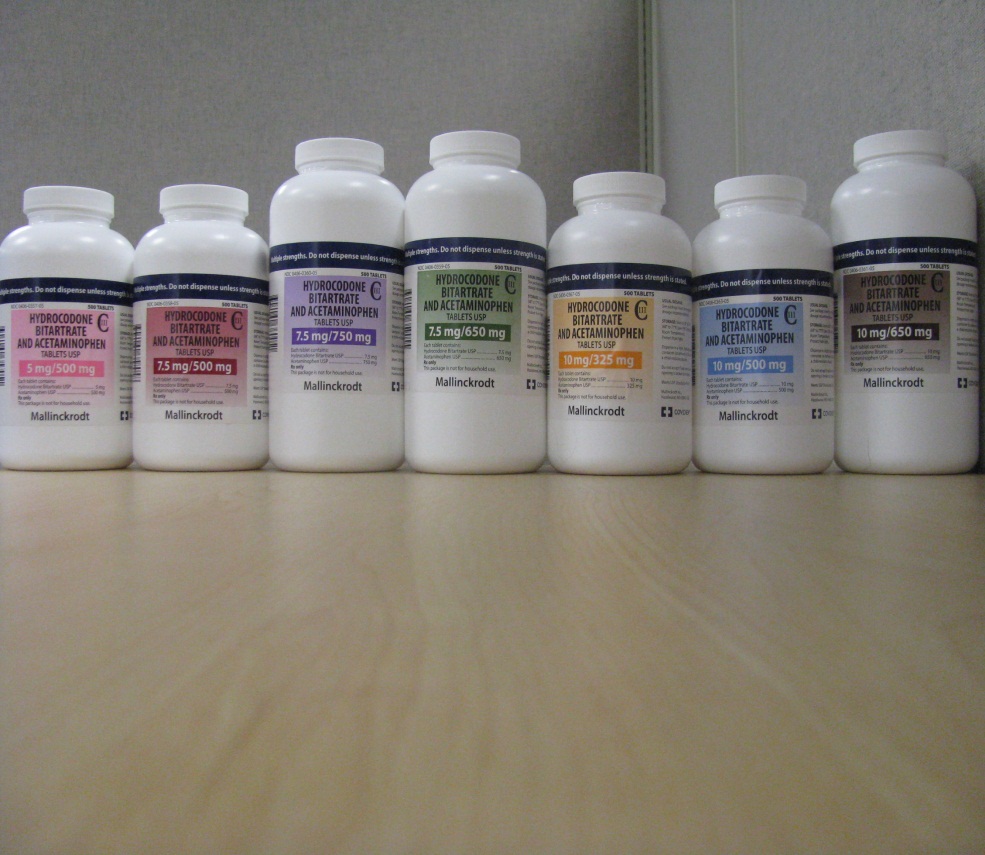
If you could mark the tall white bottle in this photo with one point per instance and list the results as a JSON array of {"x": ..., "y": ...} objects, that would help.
[
  {"x": 763, "y": 323},
  {"x": 65, "y": 334},
  {"x": 907, "y": 286},
  {"x": 619, "y": 306},
  {"x": 336, "y": 292},
  {"x": 200, "y": 335},
  {"x": 475, "y": 310}
]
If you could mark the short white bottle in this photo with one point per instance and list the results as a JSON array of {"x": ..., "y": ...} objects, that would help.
[
  {"x": 475, "y": 310},
  {"x": 65, "y": 334},
  {"x": 336, "y": 290},
  {"x": 907, "y": 284},
  {"x": 200, "y": 335},
  {"x": 619, "y": 312},
  {"x": 763, "y": 324}
]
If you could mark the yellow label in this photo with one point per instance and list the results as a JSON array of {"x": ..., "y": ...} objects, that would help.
[{"x": 603, "y": 345}]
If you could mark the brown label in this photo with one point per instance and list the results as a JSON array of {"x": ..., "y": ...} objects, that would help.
[{"x": 897, "y": 320}]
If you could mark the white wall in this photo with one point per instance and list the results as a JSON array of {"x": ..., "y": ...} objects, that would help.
[
  {"x": 133, "y": 95},
  {"x": 809, "y": 78}
]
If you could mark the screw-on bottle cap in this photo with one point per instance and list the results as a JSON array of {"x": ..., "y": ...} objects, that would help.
[
  {"x": 782, "y": 188},
  {"x": 85, "y": 200},
  {"x": 358, "y": 154},
  {"x": 230, "y": 200},
  {"x": 499, "y": 148},
  {"x": 930, "y": 143},
  {"x": 600, "y": 184}
]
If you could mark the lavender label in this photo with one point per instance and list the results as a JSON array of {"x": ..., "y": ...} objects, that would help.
[
  {"x": 337, "y": 326},
  {"x": 346, "y": 312}
]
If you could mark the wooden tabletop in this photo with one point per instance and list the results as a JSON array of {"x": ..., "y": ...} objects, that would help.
[{"x": 284, "y": 663}]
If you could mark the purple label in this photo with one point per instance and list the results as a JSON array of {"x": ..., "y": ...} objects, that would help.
[
  {"x": 333, "y": 335},
  {"x": 336, "y": 323}
]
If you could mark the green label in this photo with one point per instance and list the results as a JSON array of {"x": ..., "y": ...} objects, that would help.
[
  {"x": 467, "y": 317},
  {"x": 467, "y": 332}
]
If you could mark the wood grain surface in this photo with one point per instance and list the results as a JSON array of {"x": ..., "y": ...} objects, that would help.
[{"x": 282, "y": 663}]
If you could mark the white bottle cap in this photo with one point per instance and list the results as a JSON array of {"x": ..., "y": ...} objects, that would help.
[
  {"x": 900, "y": 142},
  {"x": 82, "y": 199},
  {"x": 643, "y": 184},
  {"x": 784, "y": 188},
  {"x": 359, "y": 154},
  {"x": 228, "y": 199},
  {"x": 501, "y": 148}
]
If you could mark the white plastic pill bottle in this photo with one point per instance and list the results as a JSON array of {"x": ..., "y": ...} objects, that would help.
[
  {"x": 906, "y": 280},
  {"x": 475, "y": 310},
  {"x": 336, "y": 302},
  {"x": 619, "y": 312},
  {"x": 200, "y": 335},
  {"x": 763, "y": 325},
  {"x": 66, "y": 339}
]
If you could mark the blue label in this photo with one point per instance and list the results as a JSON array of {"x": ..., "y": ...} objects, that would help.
[
  {"x": 333, "y": 254},
  {"x": 618, "y": 276},
  {"x": 751, "y": 351},
  {"x": 745, "y": 283},
  {"x": 199, "y": 286},
  {"x": 906, "y": 250},
  {"x": 488, "y": 250},
  {"x": 750, "y": 365},
  {"x": 726, "y": 328},
  {"x": 51, "y": 289}
]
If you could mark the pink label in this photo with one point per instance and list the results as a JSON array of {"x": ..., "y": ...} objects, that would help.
[
  {"x": 197, "y": 355},
  {"x": 60, "y": 368},
  {"x": 64, "y": 356}
]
